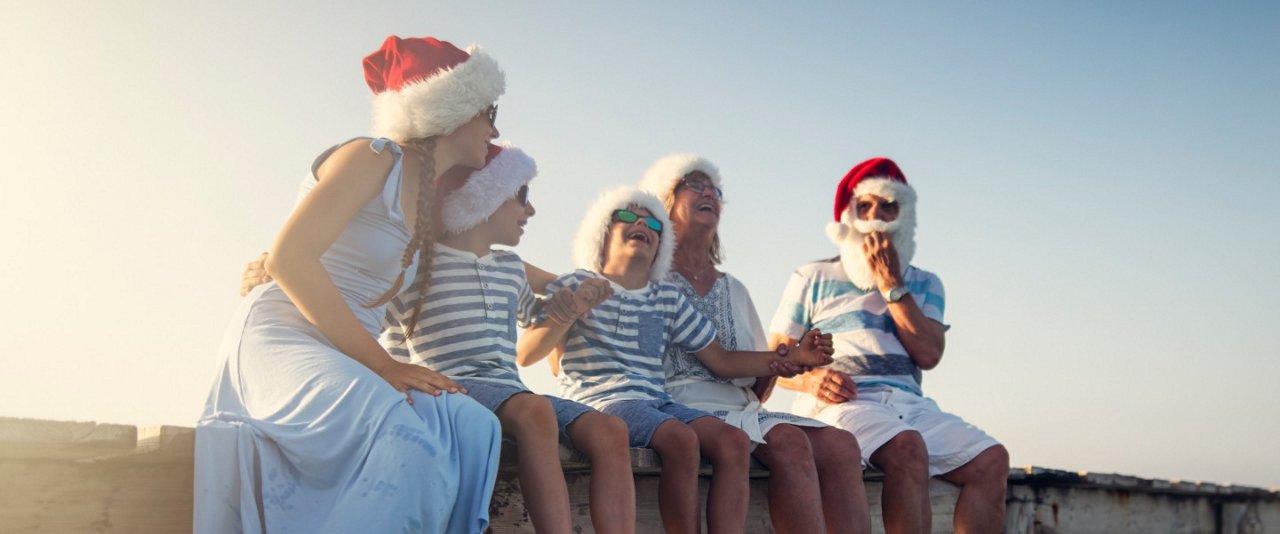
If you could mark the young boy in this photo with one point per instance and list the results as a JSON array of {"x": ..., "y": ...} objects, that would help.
[
  {"x": 611, "y": 357},
  {"x": 467, "y": 332}
]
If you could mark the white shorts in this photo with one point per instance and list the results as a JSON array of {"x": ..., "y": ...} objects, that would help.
[{"x": 878, "y": 415}]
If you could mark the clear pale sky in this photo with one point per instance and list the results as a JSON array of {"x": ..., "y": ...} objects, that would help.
[{"x": 1098, "y": 187}]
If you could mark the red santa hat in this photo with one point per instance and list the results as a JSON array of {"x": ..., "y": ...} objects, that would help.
[
  {"x": 424, "y": 87},
  {"x": 877, "y": 176},
  {"x": 662, "y": 177},
  {"x": 506, "y": 170},
  {"x": 588, "y": 246}
]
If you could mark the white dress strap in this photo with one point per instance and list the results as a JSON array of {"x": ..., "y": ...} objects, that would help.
[{"x": 391, "y": 191}]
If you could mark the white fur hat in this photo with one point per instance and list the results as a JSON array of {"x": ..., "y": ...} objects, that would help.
[
  {"x": 588, "y": 246},
  {"x": 508, "y": 168},
  {"x": 661, "y": 178},
  {"x": 424, "y": 87}
]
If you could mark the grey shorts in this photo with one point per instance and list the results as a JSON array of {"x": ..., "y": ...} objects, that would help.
[
  {"x": 492, "y": 395},
  {"x": 644, "y": 416}
]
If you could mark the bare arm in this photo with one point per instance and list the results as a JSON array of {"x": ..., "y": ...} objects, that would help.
[
  {"x": 815, "y": 350},
  {"x": 351, "y": 177},
  {"x": 924, "y": 338},
  {"x": 538, "y": 278},
  {"x": 549, "y": 335}
]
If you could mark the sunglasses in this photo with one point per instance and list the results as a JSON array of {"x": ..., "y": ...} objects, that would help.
[
  {"x": 628, "y": 217},
  {"x": 700, "y": 186},
  {"x": 492, "y": 113},
  {"x": 522, "y": 196}
]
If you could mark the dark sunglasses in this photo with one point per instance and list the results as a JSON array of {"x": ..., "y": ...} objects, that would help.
[
  {"x": 492, "y": 114},
  {"x": 628, "y": 217},
  {"x": 700, "y": 186},
  {"x": 522, "y": 195}
]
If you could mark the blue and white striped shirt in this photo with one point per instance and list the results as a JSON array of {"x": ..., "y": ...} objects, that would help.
[
  {"x": 821, "y": 296},
  {"x": 467, "y": 327},
  {"x": 615, "y": 352}
]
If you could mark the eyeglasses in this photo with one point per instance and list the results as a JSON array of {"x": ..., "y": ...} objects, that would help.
[
  {"x": 700, "y": 186},
  {"x": 522, "y": 196},
  {"x": 492, "y": 113},
  {"x": 628, "y": 217}
]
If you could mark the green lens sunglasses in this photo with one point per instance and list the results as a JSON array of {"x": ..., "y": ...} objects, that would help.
[{"x": 628, "y": 216}]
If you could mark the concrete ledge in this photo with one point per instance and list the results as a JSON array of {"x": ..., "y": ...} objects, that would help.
[{"x": 89, "y": 477}]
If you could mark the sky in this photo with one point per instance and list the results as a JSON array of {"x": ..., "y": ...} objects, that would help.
[{"x": 1098, "y": 187}]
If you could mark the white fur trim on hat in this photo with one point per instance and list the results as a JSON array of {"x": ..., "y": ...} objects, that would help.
[
  {"x": 661, "y": 178},
  {"x": 588, "y": 246},
  {"x": 886, "y": 188},
  {"x": 486, "y": 189},
  {"x": 440, "y": 104}
]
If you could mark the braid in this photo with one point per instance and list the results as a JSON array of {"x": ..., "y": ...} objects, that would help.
[{"x": 423, "y": 240}]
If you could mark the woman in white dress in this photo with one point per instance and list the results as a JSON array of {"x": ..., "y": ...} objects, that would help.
[
  {"x": 311, "y": 426},
  {"x": 809, "y": 462}
]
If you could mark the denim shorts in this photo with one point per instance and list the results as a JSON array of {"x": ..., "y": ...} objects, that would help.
[
  {"x": 491, "y": 395},
  {"x": 644, "y": 416}
]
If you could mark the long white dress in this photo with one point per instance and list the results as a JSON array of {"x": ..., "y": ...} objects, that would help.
[{"x": 298, "y": 437}]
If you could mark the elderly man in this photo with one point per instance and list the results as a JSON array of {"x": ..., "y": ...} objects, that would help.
[{"x": 885, "y": 316}]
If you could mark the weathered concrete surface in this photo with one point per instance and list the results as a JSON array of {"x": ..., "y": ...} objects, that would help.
[{"x": 87, "y": 477}]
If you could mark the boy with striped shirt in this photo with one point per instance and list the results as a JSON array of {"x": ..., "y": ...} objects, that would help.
[
  {"x": 610, "y": 357},
  {"x": 475, "y": 297}
]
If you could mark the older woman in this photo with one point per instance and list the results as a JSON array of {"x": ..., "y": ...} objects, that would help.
[{"x": 808, "y": 461}]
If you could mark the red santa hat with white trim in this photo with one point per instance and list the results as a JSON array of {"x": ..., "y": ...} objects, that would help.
[
  {"x": 505, "y": 171},
  {"x": 880, "y": 177},
  {"x": 424, "y": 87}
]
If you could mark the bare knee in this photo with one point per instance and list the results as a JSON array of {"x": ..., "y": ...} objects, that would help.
[
  {"x": 528, "y": 415},
  {"x": 836, "y": 447},
  {"x": 904, "y": 455},
  {"x": 788, "y": 447},
  {"x": 991, "y": 466},
  {"x": 730, "y": 448},
  {"x": 600, "y": 435},
  {"x": 676, "y": 444}
]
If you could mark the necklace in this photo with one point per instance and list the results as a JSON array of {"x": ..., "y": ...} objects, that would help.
[{"x": 699, "y": 274}]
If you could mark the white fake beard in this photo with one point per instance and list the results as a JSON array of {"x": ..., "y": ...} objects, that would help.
[{"x": 855, "y": 262}]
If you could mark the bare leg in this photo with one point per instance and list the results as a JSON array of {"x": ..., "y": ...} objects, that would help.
[
  {"x": 982, "y": 481},
  {"x": 793, "y": 481},
  {"x": 839, "y": 462},
  {"x": 677, "y": 446},
  {"x": 603, "y": 438},
  {"x": 905, "y": 499},
  {"x": 530, "y": 419},
  {"x": 730, "y": 453}
]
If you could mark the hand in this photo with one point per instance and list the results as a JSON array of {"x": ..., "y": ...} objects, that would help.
[
  {"x": 255, "y": 274},
  {"x": 590, "y": 294},
  {"x": 784, "y": 369},
  {"x": 830, "y": 386},
  {"x": 813, "y": 350},
  {"x": 560, "y": 307},
  {"x": 407, "y": 376},
  {"x": 883, "y": 260}
]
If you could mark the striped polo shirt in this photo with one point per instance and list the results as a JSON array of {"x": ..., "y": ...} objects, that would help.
[
  {"x": 820, "y": 295},
  {"x": 467, "y": 327},
  {"x": 615, "y": 352}
]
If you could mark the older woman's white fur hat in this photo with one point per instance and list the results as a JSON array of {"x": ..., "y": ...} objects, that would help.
[
  {"x": 662, "y": 177},
  {"x": 588, "y": 246}
]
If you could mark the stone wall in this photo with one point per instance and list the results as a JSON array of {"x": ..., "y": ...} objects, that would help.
[{"x": 89, "y": 477}]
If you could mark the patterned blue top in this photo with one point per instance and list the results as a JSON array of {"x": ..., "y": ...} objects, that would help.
[
  {"x": 467, "y": 327},
  {"x": 615, "y": 352},
  {"x": 821, "y": 296}
]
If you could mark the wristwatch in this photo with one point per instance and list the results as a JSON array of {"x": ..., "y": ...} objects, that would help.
[{"x": 895, "y": 294}]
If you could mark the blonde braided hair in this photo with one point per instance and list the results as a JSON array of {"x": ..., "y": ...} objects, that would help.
[{"x": 423, "y": 240}]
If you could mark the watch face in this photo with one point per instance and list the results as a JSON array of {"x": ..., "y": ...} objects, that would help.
[{"x": 897, "y": 293}]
